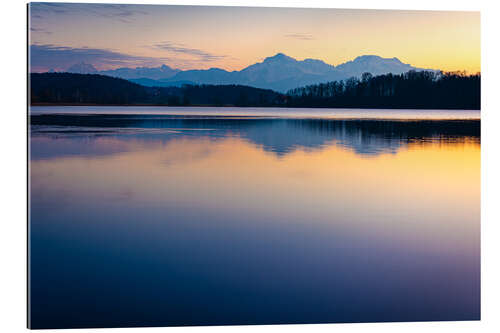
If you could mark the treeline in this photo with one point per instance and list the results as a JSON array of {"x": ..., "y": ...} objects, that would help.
[
  {"x": 69, "y": 88},
  {"x": 411, "y": 90},
  {"x": 219, "y": 95}
]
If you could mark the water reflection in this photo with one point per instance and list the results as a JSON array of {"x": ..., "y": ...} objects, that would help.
[
  {"x": 186, "y": 221},
  {"x": 281, "y": 136}
]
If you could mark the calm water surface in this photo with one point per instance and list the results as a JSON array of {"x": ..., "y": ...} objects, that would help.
[
  {"x": 263, "y": 112},
  {"x": 237, "y": 217}
]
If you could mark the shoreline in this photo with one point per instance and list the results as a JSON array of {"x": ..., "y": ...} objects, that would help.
[{"x": 244, "y": 107}]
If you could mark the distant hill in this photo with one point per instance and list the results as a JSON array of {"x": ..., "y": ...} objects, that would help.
[
  {"x": 279, "y": 72},
  {"x": 71, "y": 88},
  {"x": 153, "y": 73},
  {"x": 85, "y": 88},
  {"x": 160, "y": 83}
]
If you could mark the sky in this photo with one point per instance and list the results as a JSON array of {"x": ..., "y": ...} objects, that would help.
[{"x": 198, "y": 37}]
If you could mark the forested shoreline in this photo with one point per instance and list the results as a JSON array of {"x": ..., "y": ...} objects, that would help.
[{"x": 411, "y": 90}]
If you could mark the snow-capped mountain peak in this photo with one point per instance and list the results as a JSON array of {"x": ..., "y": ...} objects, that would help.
[{"x": 279, "y": 72}]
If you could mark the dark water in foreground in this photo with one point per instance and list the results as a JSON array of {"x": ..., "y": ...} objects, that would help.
[{"x": 155, "y": 220}]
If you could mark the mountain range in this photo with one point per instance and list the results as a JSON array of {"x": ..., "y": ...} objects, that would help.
[{"x": 279, "y": 72}]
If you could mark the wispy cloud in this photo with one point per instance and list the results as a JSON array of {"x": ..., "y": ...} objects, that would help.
[
  {"x": 300, "y": 35},
  {"x": 47, "y": 56},
  {"x": 122, "y": 13},
  {"x": 40, "y": 30},
  {"x": 181, "y": 49},
  {"x": 39, "y": 8}
]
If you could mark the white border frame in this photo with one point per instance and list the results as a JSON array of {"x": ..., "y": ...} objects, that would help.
[{"x": 13, "y": 194}]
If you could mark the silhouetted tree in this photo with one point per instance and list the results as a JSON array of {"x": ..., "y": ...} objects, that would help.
[
  {"x": 104, "y": 90},
  {"x": 412, "y": 90}
]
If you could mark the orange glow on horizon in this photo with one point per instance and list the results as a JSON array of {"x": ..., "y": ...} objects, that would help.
[{"x": 233, "y": 38}]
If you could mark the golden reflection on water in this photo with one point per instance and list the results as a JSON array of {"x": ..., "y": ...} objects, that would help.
[{"x": 426, "y": 193}]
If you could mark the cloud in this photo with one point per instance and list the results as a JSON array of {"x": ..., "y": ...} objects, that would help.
[
  {"x": 123, "y": 13},
  {"x": 40, "y": 30},
  {"x": 300, "y": 35},
  {"x": 181, "y": 49},
  {"x": 40, "y": 8},
  {"x": 48, "y": 56}
]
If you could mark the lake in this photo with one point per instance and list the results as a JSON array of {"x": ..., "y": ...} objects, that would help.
[{"x": 151, "y": 216}]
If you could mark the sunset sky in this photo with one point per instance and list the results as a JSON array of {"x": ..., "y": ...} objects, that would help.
[{"x": 188, "y": 37}]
